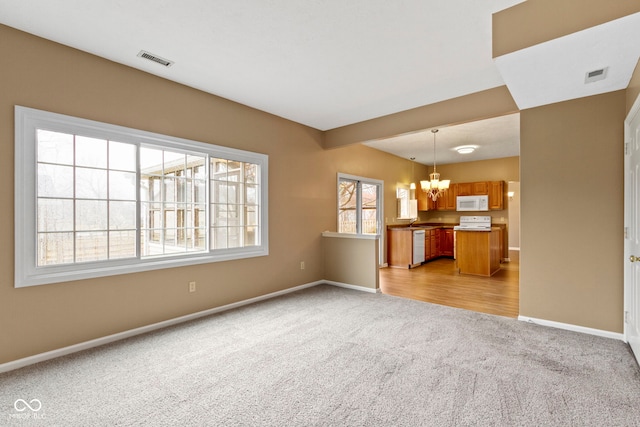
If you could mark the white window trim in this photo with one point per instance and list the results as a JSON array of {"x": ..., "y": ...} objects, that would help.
[
  {"x": 27, "y": 120},
  {"x": 381, "y": 235}
]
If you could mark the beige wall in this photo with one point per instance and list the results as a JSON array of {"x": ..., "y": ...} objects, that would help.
[
  {"x": 351, "y": 260},
  {"x": 514, "y": 215},
  {"x": 633, "y": 90},
  {"x": 302, "y": 199},
  {"x": 533, "y": 22},
  {"x": 476, "y": 106},
  {"x": 571, "y": 267}
]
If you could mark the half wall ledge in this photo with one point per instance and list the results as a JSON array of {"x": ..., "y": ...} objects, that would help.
[{"x": 352, "y": 258}]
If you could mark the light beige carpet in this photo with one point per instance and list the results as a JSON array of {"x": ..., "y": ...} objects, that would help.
[{"x": 328, "y": 356}]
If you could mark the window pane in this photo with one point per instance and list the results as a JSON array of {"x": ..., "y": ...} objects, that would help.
[
  {"x": 170, "y": 240},
  {"x": 169, "y": 193},
  {"x": 347, "y": 195},
  {"x": 122, "y": 215},
  {"x": 252, "y": 215},
  {"x": 174, "y": 161},
  {"x": 252, "y": 194},
  {"x": 251, "y": 236},
  {"x": 369, "y": 221},
  {"x": 219, "y": 238},
  {"x": 199, "y": 191},
  {"x": 234, "y": 171},
  {"x": 55, "y": 248},
  {"x": 234, "y": 193},
  {"x": 150, "y": 161},
  {"x": 251, "y": 173},
  {"x": 91, "y": 246},
  {"x": 219, "y": 215},
  {"x": 55, "y": 215},
  {"x": 181, "y": 191},
  {"x": 199, "y": 238},
  {"x": 91, "y": 215},
  {"x": 122, "y": 156},
  {"x": 55, "y": 147},
  {"x": 55, "y": 181},
  {"x": 234, "y": 237},
  {"x": 122, "y": 185},
  {"x": 151, "y": 243},
  {"x": 218, "y": 192},
  {"x": 122, "y": 244},
  {"x": 199, "y": 170},
  {"x": 347, "y": 203},
  {"x": 91, "y": 152},
  {"x": 369, "y": 208},
  {"x": 347, "y": 221},
  {"x": 91, "y": 183},
  {"x": 219, "y": 169}
]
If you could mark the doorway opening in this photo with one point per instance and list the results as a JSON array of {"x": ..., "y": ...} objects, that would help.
[{"x": 439, "y": 282}]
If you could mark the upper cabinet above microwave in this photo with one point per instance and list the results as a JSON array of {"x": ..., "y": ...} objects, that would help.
[{"x": 447, "y": 201}]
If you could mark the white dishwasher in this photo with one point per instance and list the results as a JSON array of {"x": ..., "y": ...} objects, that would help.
[{"x": 418, "y": 246}]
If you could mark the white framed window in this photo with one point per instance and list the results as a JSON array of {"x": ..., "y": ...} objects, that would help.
[
  {"x": 94, "y": 199},
  {"x": 360, "y": 204}
]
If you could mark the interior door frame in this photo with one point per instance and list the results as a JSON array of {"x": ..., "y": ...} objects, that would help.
[{"x": 635, "y": 110}]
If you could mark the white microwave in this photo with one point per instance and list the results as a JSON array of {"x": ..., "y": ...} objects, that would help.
[{"x": 472, "y": 203}]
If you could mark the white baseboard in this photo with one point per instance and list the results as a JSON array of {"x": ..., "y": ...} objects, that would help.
[
  {"x": 574, "y": 328},
  {"x": 20, "y": 363},
  {"x": 353, "y": 287}
]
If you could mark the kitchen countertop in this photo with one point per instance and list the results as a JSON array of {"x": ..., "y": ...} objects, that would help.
[
  {"x": 419, "y": 226},
  {"x": 432, "y": 225}
]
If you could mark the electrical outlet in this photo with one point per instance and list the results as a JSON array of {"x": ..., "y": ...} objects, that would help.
[
  {"x": 192, "y": 286},
  {"x": 301, "y": 265}
]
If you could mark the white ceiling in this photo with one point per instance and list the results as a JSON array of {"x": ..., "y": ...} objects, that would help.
[
  {"x": 494, "y": 138},
  {"x": 322, "y": 63},
  {"x": 330, "y": 63},
  {"x": 555, "y": 71}
]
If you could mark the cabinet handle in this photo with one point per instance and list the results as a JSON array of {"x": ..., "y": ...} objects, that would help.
[{"x": 634, "y": 258}]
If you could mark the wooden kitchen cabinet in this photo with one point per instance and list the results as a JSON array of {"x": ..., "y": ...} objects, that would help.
[
  {"x": 435, "y": 247},
  {"x": 496, "y": 195},
  {"x": 446, "y": 242},
  {"x": 427, "y": 245},
  {"x": 478, "y": 252},
  {"x": 447, "y": 201},
  {"x": 424, "y": 203},
  {"x": 479, "y": 188},
  {"x": 465, "y": 188},
  {"x": 399, "y": 247}
]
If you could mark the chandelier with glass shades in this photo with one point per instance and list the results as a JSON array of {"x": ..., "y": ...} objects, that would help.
[{"x": 434, "y": 187}]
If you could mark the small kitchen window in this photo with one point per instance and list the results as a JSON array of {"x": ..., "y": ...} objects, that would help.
[{"x": 359, "y": 205}]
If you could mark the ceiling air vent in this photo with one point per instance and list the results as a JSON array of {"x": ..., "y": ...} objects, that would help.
[
  {"x": 155, "y": 58},
  {"x": 595, "y": 75}
]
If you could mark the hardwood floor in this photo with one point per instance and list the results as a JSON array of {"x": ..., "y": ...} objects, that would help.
[{"x": 439, "y": 282}]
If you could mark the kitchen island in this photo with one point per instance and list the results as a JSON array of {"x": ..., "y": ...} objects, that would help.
[{"x": 478, "y": 252}]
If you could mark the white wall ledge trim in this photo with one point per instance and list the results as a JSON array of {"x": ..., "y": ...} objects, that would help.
[
  {"x": 574, "y": 328},
  {"x": 350, "y": 235}
]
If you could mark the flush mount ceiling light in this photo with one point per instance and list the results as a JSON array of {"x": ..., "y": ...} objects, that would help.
[
  {"x": 595, "y": 75},
  {"x": 466, "y": 149},
  {"x": 434, "y": 187}
]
